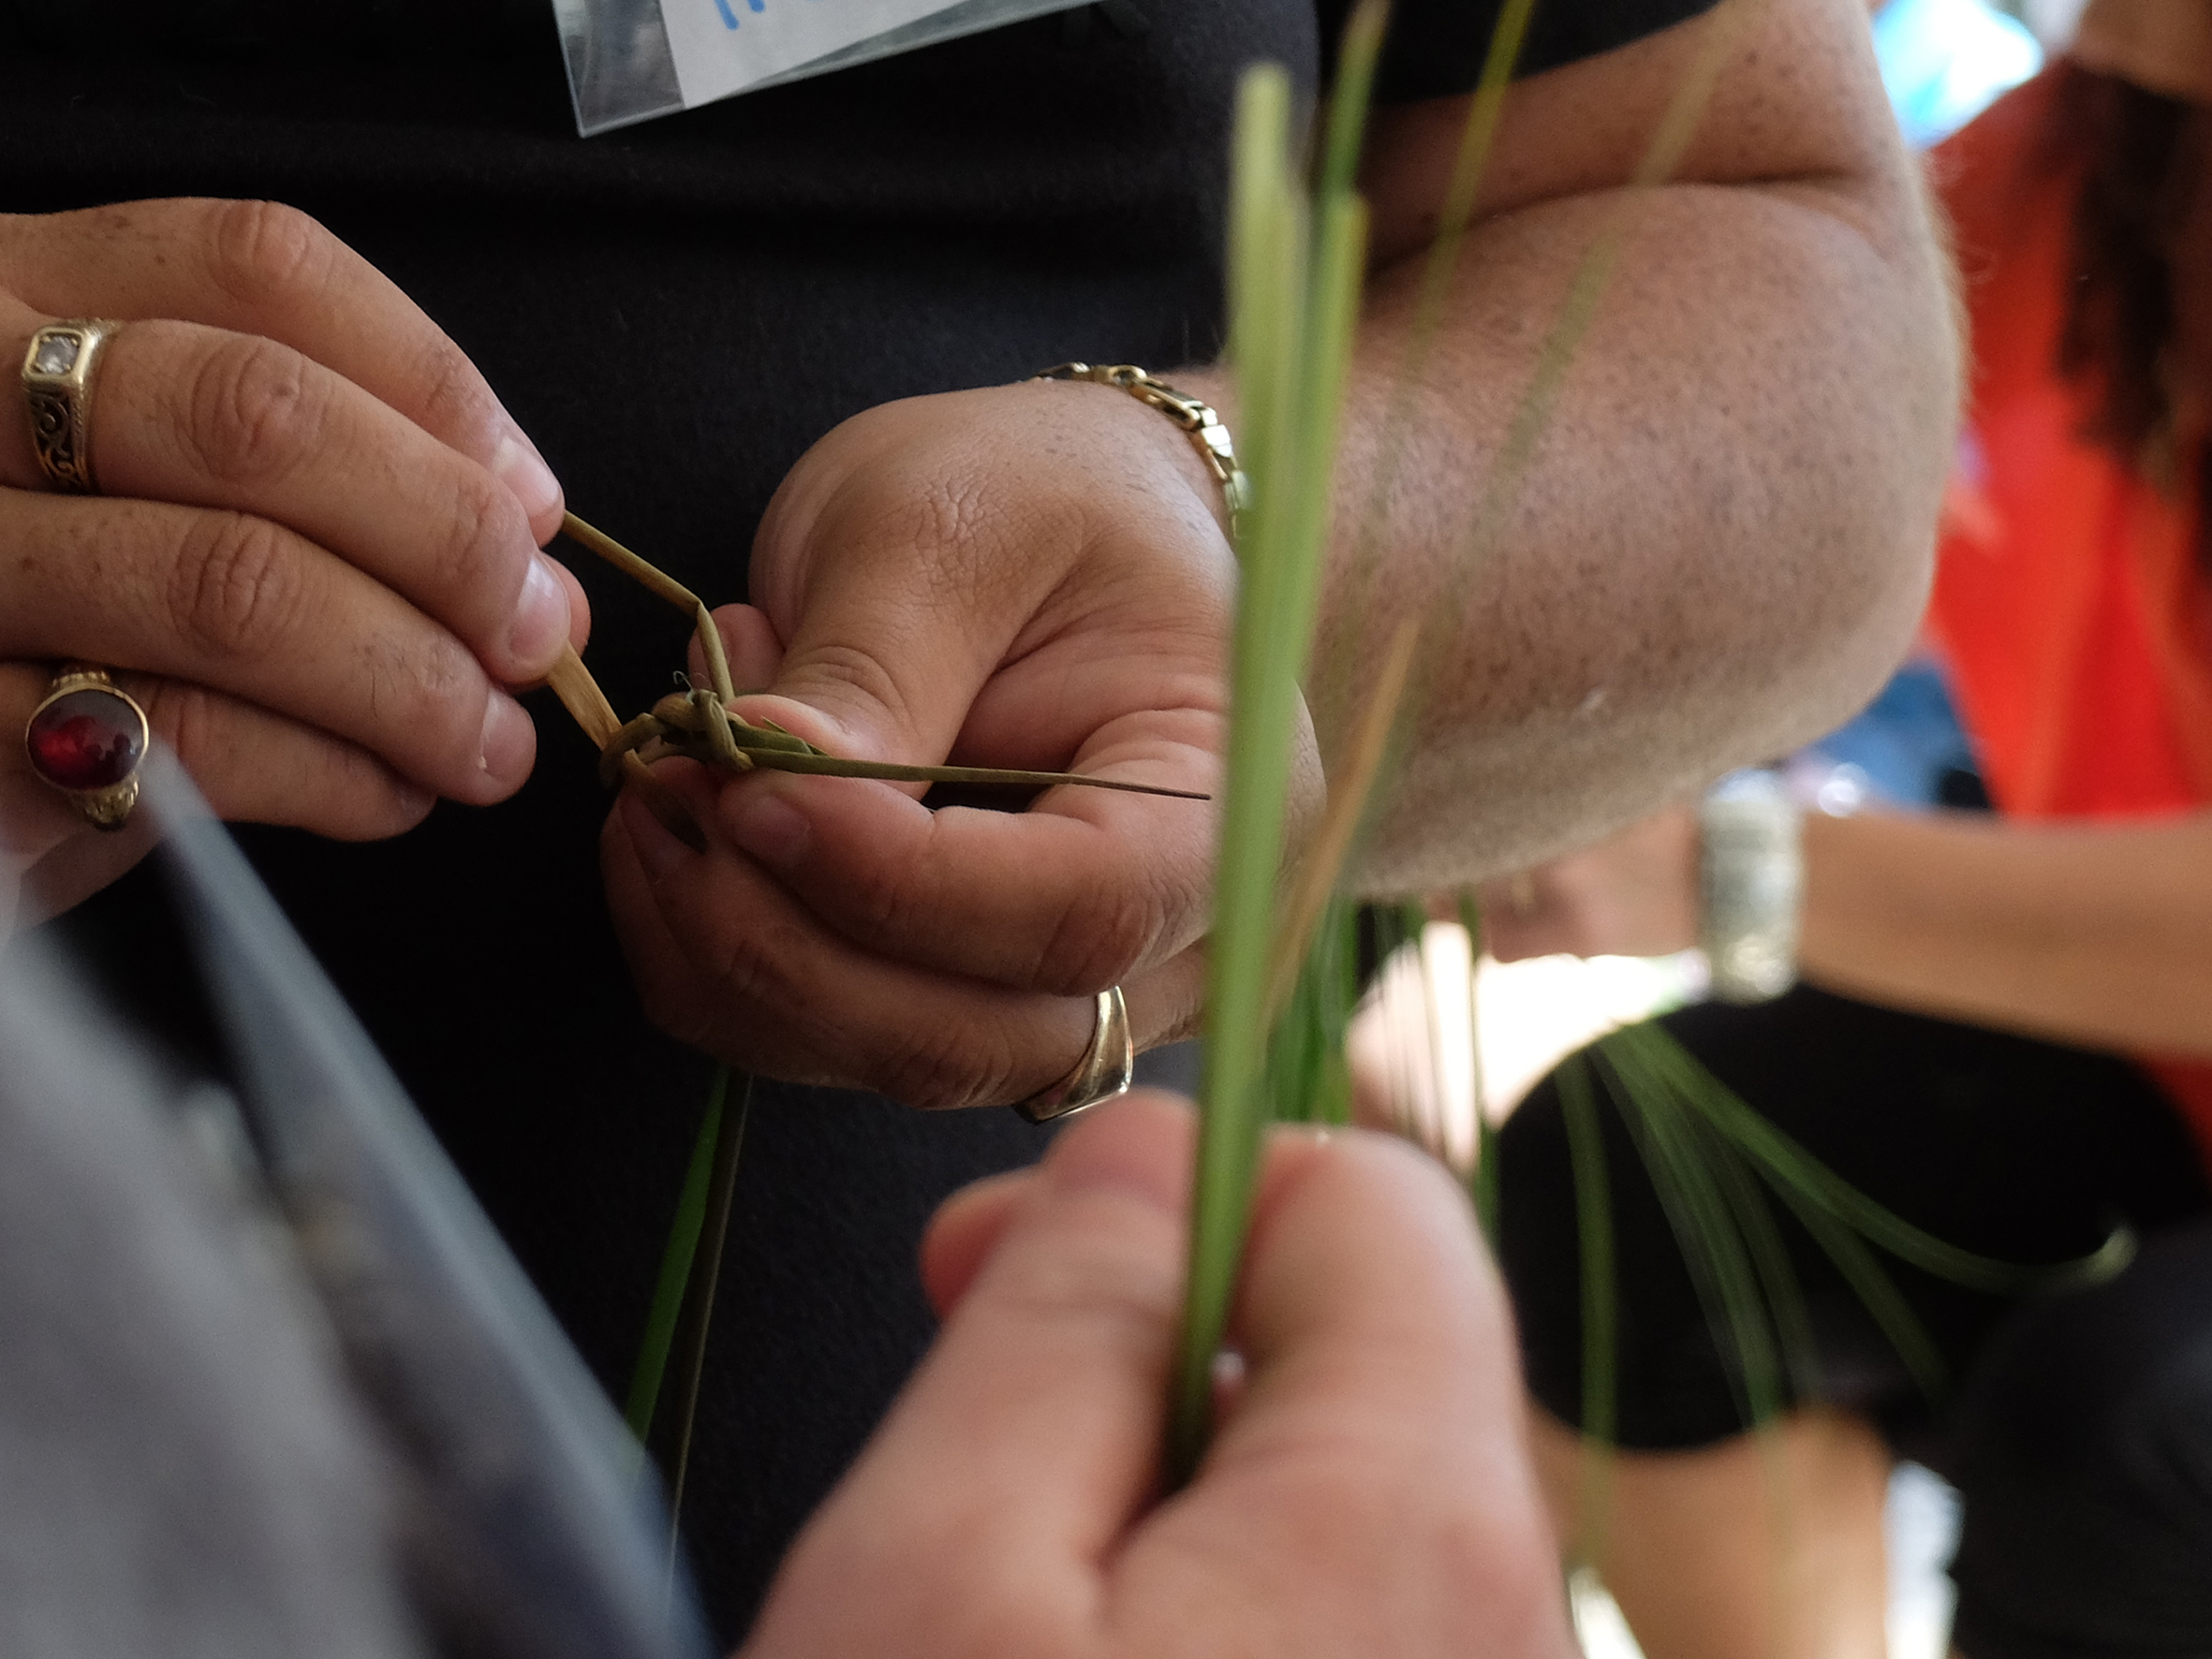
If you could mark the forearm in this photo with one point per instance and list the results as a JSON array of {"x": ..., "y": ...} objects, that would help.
[
  {"x": 1717, "y": 544},
  {"x": 2090, "y": 935},
  {"x": 1717, "y": 548}
]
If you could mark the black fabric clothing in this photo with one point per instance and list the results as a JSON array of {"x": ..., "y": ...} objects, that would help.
[
  {"x": 2018, "y": 1150},
  {"x": 2086, "y": 1452},
  {"x": 2077, "y": 1426},
  {"x": 675, "y": 313}
]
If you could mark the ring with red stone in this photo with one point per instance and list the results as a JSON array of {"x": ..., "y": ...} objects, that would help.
[{"x": 87, "y": 738}]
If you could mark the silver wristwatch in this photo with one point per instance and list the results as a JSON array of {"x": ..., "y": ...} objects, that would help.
[{"x": 1750, "y": 886}]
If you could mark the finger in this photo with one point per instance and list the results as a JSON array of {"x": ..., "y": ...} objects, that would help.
[
  {"x": 1379, "y": 1436},
  {"x": 728, "y": 962},
  {"x": 252, "y": 766},
  {"x": 1086, "y": 888},
  {"x": 964, "y": 1231},
  {"x": 731, "y": 964},
  {"x": 245, "y": 605},
  {"x": 50, "y": 857},
  {"x": 204, "y": 417},
  {"x": 262, "y": 268},
  {"x": 748, "y": 643},
  {"x": 1046, "y": 1388}
]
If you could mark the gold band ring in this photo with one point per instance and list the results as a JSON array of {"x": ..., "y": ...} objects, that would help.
[
  {"x": 1103, "y": 1072},
  {"x": 88, "y": 736}
]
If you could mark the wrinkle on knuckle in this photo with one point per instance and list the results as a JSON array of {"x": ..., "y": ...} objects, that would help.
[
  {"x": 235, "y": 591},
  {"x": 484, "y": 536},
  {"x": 747, "y": 970},
  {"x": 1102, "y": 933},
  {"x": 428, "y": 687},
  {"x": 945, "y": 1063},
  {"x": 454, "y": 399},
  {"x": 743, "y": 991},
  {"x": 885, "y": 901},
  {"x": 864, "y": 674},
  {"x": 256, "y": 412},
  {"x": 260, "y": 252}
]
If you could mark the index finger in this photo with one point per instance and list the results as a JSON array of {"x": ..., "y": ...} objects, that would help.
[{"x": 261, "y": 268}]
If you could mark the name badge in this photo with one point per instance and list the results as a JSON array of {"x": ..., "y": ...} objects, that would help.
[{"x": 631, "y": 60}]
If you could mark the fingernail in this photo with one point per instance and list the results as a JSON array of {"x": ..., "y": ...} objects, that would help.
[
  {"x": 540, "y": 625},
  {"x": 769, "y": 828},
  {"x": 522, "y": 470},
  {"x": 510, "y": 740}
]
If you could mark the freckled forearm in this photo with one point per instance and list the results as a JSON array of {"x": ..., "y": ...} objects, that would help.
[
  {"x": 1658, "y": 482},
  {"x": 1715, "y": 547}
]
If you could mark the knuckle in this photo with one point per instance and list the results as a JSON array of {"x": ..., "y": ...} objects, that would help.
[
  {"x": 262, "y": 250},
  {"x": 425, "y": 690},
  {"x": 865, "y": 678},
  {"x": 455, "y": 402},
  {"x": 747, "y": 975},
  {"x": 236, "y": 590},
  {"x": 739, "y": 993},
  {"x": 1104, "y": 931},
  {"x": 481, "y": 551},
  {"x": 946, "y": 1064},
  {"x": 255, "y": 410},
  {"x": 881, "y": 900}
]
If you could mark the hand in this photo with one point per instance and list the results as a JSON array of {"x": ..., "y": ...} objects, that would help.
[
  {"x": 1633, "y": 894},
  {"x": 1028, "y": 576},
  {"x": 1368, "y": 1490},
  {"x": 315, "y": 555}
]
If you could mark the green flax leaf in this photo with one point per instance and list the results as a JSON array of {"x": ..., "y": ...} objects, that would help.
[{"x": 676, "y": 1259}]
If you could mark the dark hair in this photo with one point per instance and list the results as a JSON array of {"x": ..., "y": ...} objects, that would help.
[{"x": 2132, "y": 335}]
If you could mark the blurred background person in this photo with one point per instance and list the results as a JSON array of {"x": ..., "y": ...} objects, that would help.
[{"x": 2005, "y": 1033}]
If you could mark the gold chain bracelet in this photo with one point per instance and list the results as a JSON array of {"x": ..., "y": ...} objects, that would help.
[{"x": 1196, "y": 416}]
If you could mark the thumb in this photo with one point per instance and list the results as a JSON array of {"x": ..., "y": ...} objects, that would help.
[{"x": 884, "y": 654}]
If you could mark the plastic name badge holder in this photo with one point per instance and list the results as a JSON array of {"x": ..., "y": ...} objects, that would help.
[{"x": 631, "y": 60}]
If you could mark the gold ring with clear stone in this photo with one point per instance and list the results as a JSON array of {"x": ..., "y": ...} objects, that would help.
[{"x": 58, "y": 370}]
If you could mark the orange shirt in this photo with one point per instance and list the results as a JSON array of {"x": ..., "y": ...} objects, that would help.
[{"x": 2068, "y": 594}]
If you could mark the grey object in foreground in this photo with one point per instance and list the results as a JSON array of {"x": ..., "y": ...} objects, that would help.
[{"x": 294, "y": 1397}]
